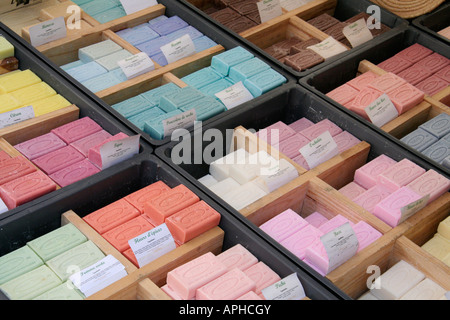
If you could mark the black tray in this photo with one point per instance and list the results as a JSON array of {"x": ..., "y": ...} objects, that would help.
[{"x": 434, "y": 22}]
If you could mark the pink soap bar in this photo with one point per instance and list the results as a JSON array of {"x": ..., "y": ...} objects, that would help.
[
  {"x": 431, "y": 183},
  {"x": 414, "y": 53},
  {"x": 140, "y": 197},
  {"x": 366, "y": 234},
  {"x": 366, "y": 176},
  {"x": 317, "y": 258},
  {"x": 362, "y": 81},
  {"x": 334, "y": 223},
  {"x": 444, "y": 73},
  {"x": 77, "y": 130},
  {"x": 321, "y": 127},
  {"x": 301, "y": 240},
  {"x": 386, "y": 82},
  {"x": 262, "y": 275},
  {"x": 415, "y": 74},
  {"x": 275, "y": 133},
  {"x": 237, "y": 257},
  {"x": 432, "y": 85},
  {"x": 40, "y": 146},
  {"x": 83, "y": 145},
  {"x": 301, "y": 161},
  {"x": 399, "y": 175},
  {"x": 389, "y": 209},
  {"x": 284, "y": 225},
  {"x": 290, "y": 147},
  {"x": 405, "y": 97},
  {"x": 301, "y": 124},
  {"x": 171, "y": 293},
  {"x": 251, "y": 295},
  {"x": 57, "y": 160},
  {"x": 4, "y": 156},
  {"x": 316, "y": 219},
  {"x": 26, "y": 189},
  {"x": 94, "y": 154},
  {"x": 434, "y": 62},
  {"x": 369, "y": 199},
  {"x": 229, "y": 286},
  {"x": 187, "y": 278},
  {"x": 363, "y": 99},
  {"x": 395, "y": 64},
  {"x": 345, "y": 140},
  {"x": 352, "y": 190},
  {"x": 74, "y": 173},
  {"x": 343, "y": 94},
  {"x": 13, "y": 168}
]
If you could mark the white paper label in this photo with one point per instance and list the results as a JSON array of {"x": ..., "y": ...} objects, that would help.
[
  {"x": 341, "y": 244},
  {"x": 357, "y": 33},
  {"x": 117, "y": 151},
  {"x": 381, "y": 111},
  {"x": 269, "y": 9},
  {"x": 328, "y": 48},
  {"x": 3, "y": 207},
  {"x": 99, "y": 275},
  {"x": 319, "y": 150},
  {"x": 281, "y": 174},
  {"x": 178, "y": 49},
  {"x": 48, "y": 31},
  {"x": 234, "y": 95},
  {"x": 412, "y": 208},
  {"x": 152, "y": 244},
  {"x": 132, "y": 6},
  {"x": 136, "y": 65},
  {"x": 288, "y": 288},
  {"x": 180, "y": 121},
  {"x": 290, "y": 4},
  {"x": 15, "y": 116}
]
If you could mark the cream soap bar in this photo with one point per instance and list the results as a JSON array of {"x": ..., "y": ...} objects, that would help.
[
  {"x": 245, "y": 195},
  {"x": 98, "y": 50},
  {"x": 444, "y": 228},
  {"x": 437, "y": 246},
  {"x": 18, "y": 262},
  {"x": 425, "y": 290},
  {"x": 220, "y": 168}
]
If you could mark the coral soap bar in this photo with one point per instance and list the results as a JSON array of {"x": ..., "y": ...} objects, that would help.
[
  {"x": 237, "y": 257},
  {"x": 14, "y": 168},
  {"x": 140, "y": 197}
]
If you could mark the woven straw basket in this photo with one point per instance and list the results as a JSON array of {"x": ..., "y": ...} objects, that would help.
[{"x": 408, "y": 9}]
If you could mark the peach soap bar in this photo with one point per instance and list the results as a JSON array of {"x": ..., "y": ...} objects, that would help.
[
  {"x": 262, "y": 275},
  {"x": 140, "y": 197},
  {"x": 14, "y": 168},
  {"x": 237, "y": 257},
  {"x": 77, "y": 130}
]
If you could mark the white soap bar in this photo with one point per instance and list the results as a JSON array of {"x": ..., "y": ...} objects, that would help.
[
  {"x": 243, "y": 196},
  {"x": 368, "y": 296},
  {"x": 220, "y": 168},
  {"x": 397, "y": 281},
  {"x": 278, "y": 176},
  {"x": 225, "y": 186},
  {"x": 425, "y": 290},
  {"x": 3, "y": 207},
  {"x": 208, "y": 180}
]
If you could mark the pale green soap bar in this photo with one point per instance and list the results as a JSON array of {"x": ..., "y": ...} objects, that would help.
[
  {"x": 80, "y": 257},
  {"x": 109, "y": 62},
  {"x": 63, "y": 292},
  {"x": 31, "y": 284},
  {"x": 17, "y": 263},
  {"x": 98, "y": 50},
  {"x": 6, "y": 49},
  {"x": 56, "y": 242}
]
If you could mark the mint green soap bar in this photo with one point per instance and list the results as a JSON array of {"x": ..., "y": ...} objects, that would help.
[
  {"x": 6, "y": 49},
  {"x": 139, "y": 119},
  {"x": 111, "y": 14},
  {"x": 31, "y": 284},
  {"x": 155, "y": 128},
  {"x": 82, "y": 256},
  {"x": 133, "y": 106},
  {"x": 63, "y": 292},
  {"x": 247, "y": 69},
  {"x": 175, "y": 100},
  {"x": 205, "y": 108},
  {"x": 109, "y": 62},
  {"x": 17, "y": 263},
  {"x": 56, "y": 242},
  {"x": 98, "y": 50},
  {"x": 216, "y": 87},
  {"x": 154, "y": 95},
  {"x": 202, "y": 77},
  {"x": 264, "y": 82},
  {"x": 224, "y": 61},
  {"x": 95, "y": 7}
]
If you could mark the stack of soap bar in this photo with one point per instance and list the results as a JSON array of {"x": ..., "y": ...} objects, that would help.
[
  {"x": 235, "y": 15},
  {"x": 439, "y": 245}
]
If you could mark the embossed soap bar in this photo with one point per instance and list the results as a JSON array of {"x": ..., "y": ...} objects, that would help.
[
  {"x": 366, "y": 176},
  {"x": 399, "y": 175},
  {"x": 18, "y": 262},
  {"x": 284, "y": 225},
  {"x": 77, "y": 130},
  {"x": 57, "y": 160},
  {"x": 13, "y": 168},
  {"x": 74, "y": 173},
  {"x": 140, "y": 197},
  {"x": 431, "y": 183},
  {"x": 237, "y": 257}
]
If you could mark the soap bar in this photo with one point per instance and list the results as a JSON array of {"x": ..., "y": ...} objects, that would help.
[
  {"x": 167, "y": 26},
  {"x": 221, "y": 188},
  {"x": 251, "y": 295},
  {"x": 61, "y": 293},
  {"x": 17, "y": 263},
  {"x": 111, "y": 216},
  {"x": 57, "y": 10},
  {"x": 389, "y": 209},
  {"x": 81, "y": 256},
  {"x": 399, "y": 175},
  {"x": 276, "y": 133},
  {"x": 138, "y": 34},
  {"x": 74, "y": 173},
  {"x": 343, "y": 94},
  {"x": 31, "y": 284},
  {"x": 366, "y": 176},
  {"x": 153, "y": 46},
  {"x": 133, "y": 106},
  {"x": 431, "y": 183},
  {"x": 18, "y": 80},
  {"x": 50, "y": 104},
  {"x": 290, "y": 147},
  {"x": 301, "y": 124},
  {"x": 240, "y": 24},
  {"x": 203, "y": 43},
  {"x": 432, "y": 85},
  {"x": 168, "y": 203},
  {"x": 4, "y": 156},
  {"x": 172, "y": 101},
  {"x": 387, "y": 81},
  {"x": 405, "y": 97},
  {"x": 395, "y": 64},
  {"x": 316, "y": 257},
  {"x": 439, "y": 151},
  {"x": 155, "y": 127},
  {"x": 6, "y": 49},
  {"x": 262, "y": 275},
  {"x": 244, "y": 195},
  {"x": 237, "y": 257},
  {"x": 439, "y": 126},
  {"x": 171, "y": 293},
  {"x": 427, "y": 289},
  {"x": 438, "y": 246},
  {"x": 28, "y": 95},
  {"x": 419, "y": 139},
  {"x": 105, "y": 81},
  {"x": 109, "y": 62},
  {"x": 444, "y": 228},
  {"x": 361, "y": 82},
  {"x": 345, "y": 140},
  {"x": 284, "y": 225},
  {"x": 415, "y": 53},
  {"x": 229, "y": 286},
  {"x": 365, "y": 97},
  {"x": 276, "y": 176},
  {"x": 316, "y": 219},
  {"x": 57, "y": 160},
  {"x": 98, "y": 50},
  {"x": 14, "y": 168},
  {"x": 301, "y": 240},
  {"x": 39, "y": 146},
  {"x": 140, "y": 197},
  {"x": 94, "y": 154},
  {"x": 224, "y": 61},
  {"x": 444, "y": 73},
  {"x": 140, "y": 119},
  {"x": 202, "y": 77},
  {"x": 352, "y": 190},
  {"x": 369, "y": 199},
  {"x": 216, "y": 87},
  {"x": 129, "y": 254},
  {"x": 192, "y": 221},
  {"x": 57, "y": 241},
  {"x": 303, "y": 45},
  {"x": 110, "y": 14},
  {"x": 208, "y": 181},
  {"x": 77, "y": 130},
  {"x": 83, "y": 145},
  {"x": 219, "y": 168},
  {"x": 8, "y": 103},
  {"x": 119, "y": 236},
  {"x": 323, "y": 21},
  {"x": 26, "y": 189},
  {"x": 71, "y": 65},
  {"x": 264, "y": 82},
  {"x": 304, "y": 59},
  {"x": 397, "y": 281},
  {"x": 334, "y": 223},
  {"x": 225, "y": 15},
  {"x": 366, "y": 234},
  {"x": 95, "y": 7},
  {"x": 415, "y": 74},
  {"x": 87, "y": 71},
  {"x": 321, "y": 127},
  {"x": 187, "y": 278},
  {"x": 368, "y": 296},
  {"x": 250, "y": 170},
  {"x": 301, "y": 161},
  {"x": 434, "y": 62},
  {"x": 205, "y": 108},
  {"x": 247, "y": 69},
  {"x": 154, "y": 95}
]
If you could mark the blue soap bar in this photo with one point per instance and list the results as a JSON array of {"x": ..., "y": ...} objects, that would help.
[
  {"x": 138, "y": 34},
  {"x": 205, "y": 108},
  {"x": 446, "y": 162},
  {"x": 140, "y": 119},
  {"x": 419, "y": 139},
  {"x": 438, "y": 151},
  {"x": 167, "y": 26},
  {"x": 247, "y": 69},
  {"x": 155, "y": 128},
  {"x": 133, "y": 106},
  {"x": 98, "y": 6},
  {"x": 216, "y": 87},
  {"x": 202, "y": 77},
  {"x": 264, "y": 82},
  {"x": 103, "y": 81},
  {"x": 446, "y": 137},
  {"x": 160, "y": 59},
  {"x": 189, "y": 30},
  {"x": 203, "y": 43},
  {"x": 87, "y": 71},
  {"x": 72, "y": 65},
  {"x": 80, "y": 2},
  {"x": 154, "y": 95},
  {"x": 175, "y": 100},
  {"x": 157, "y": 20},
  {"x": 110, "y": 14},
  {"x": 153, "y": 47},
  {"x": 438, "y": 126},
  {"x": 224, "y": 61}
]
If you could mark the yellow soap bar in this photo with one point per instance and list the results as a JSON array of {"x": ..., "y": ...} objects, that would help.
[
  {"x": 36, "y": 92},
  {"x": 444, "y": 228},
  {"x": 8, "y": 103},
  {"x": 437, "y": 246},
  {"x": 59, "y": 10},
  {"x": 18, "y": 80},
  {"x": 50, "y": 104},
  {"x": 6, "y": 48}
]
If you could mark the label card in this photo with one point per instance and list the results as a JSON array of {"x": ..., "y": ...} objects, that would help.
[
  {"x": 357, "y": 33},
  {"x": 341, "y": 244},
  {"x": 180, "y": 121},
  {"x": 132, "y": 6},
  {"x": 3, "y": 207},
  {"x": 136, "y": 65},
  {"x": 117, "y": 151},
  {"x": 381, "y": 111},
  {"x": 319, "y": 150},
  {"x": 269, "y": 9},
  {"x": 281, "y": 174},
  {"x": 152, "y": 244},
  {"x": 234, "y": 95},
  {"x": 48, "y": 31},
  {"x": 289, "y": 5},
  {"x": 412, "y": 208},
  {"x": 178, "y": 49},
  {"x": 328, "y": 48},
  {"x": 288, "y": 288},
  {"x": 15, "y": 116}
]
